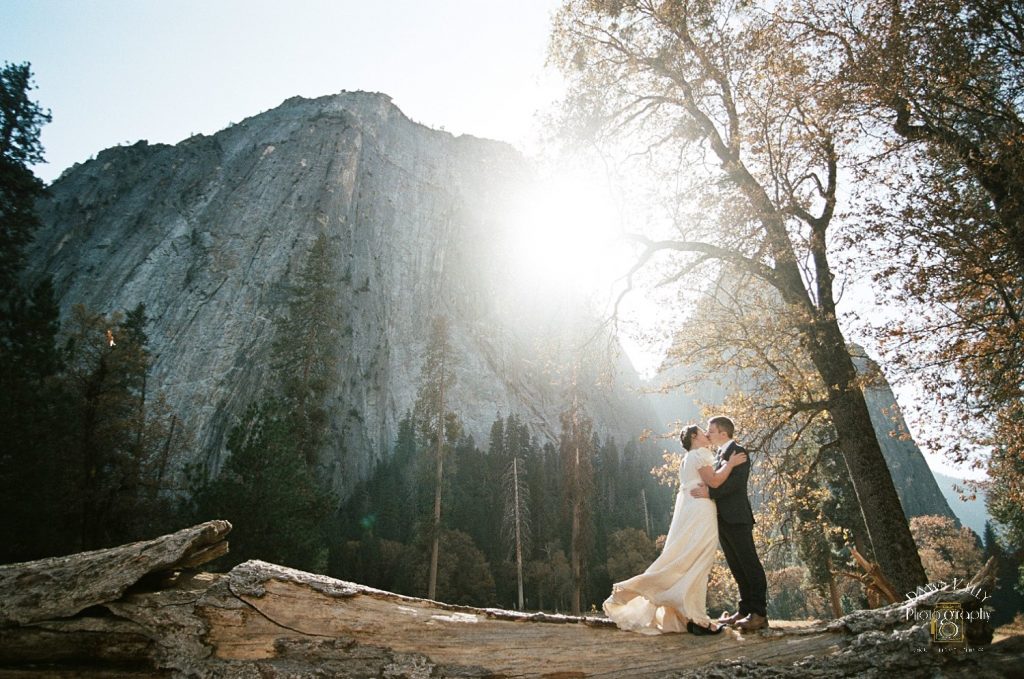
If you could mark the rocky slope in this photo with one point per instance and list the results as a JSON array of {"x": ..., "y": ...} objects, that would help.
[
  {"x": 915, "y": 483},
  {"x": 208, "y": 234}
]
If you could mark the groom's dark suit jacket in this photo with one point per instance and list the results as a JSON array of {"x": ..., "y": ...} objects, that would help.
[{"x": 731, "y": 496}]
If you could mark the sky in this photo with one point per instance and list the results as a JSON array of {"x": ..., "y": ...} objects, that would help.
[{"x": 117, "y": 71}]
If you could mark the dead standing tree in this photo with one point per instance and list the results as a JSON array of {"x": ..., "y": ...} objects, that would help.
[
  {"x": 516, "y": 517},
  {"x": 725, "y": 93},
  {"x": 576, "y": 447}
]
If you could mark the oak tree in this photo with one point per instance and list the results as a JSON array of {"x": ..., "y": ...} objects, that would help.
[{"x": 726, "y": 101}]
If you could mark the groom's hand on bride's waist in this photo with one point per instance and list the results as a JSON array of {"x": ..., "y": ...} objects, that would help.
[{"x": 700, "y": 491}]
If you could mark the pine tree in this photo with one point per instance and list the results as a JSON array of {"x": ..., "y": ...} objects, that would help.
[
  {"x": 107, "y": 363},
  {"x": 436, "y": 425},
  {"x": 33, "y": 405},
  {"x": 270, "y": 481},
  {"x": 124, "y": 435},
  {"x": 20, "y": 123},
  {"x": 406, "y": 451},
  {"x": 548, "y": 510},
  {"x": 306, "y": 347},
  {"x": 34, "y": 433},
  {"x": 1007, "y": 600},
  {"x": 577, "y": 450},
  {"x": 472, "y": 496},
  {"x": 278, "y": 508},
  {"x": 491, "y": 497}
]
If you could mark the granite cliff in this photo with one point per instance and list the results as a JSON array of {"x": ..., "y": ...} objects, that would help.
[{"x": 208, "y": 234}]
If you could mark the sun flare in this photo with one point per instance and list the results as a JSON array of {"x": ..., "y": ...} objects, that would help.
[{"x": 565, "y": 233}]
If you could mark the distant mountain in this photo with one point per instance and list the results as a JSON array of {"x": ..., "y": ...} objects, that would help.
[
  {"x": 972, "y": 513},
  {"x": 915, "y": 482}
]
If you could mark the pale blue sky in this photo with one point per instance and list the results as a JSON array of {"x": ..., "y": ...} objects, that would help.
[{"x": 116, "y": 71}]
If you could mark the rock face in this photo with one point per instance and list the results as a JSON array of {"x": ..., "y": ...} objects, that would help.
[
  {"x": 916, "y": 485},
  {"x": 209, "y": 233}
]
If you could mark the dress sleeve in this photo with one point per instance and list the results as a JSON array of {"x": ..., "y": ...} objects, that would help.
[{"x": 709, "y": 457}]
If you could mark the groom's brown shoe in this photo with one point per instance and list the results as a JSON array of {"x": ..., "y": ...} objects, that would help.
[
  {"x": 726, "y": 619},
  {"x": 752, "y": 622}
]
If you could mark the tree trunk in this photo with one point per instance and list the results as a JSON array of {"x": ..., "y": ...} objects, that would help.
[
  {"x": 886, "y": 523},
  {"x": 833, "y": 594},
  {"x": 165, "y": 454},
  {"x": 90, "y": 531},
  {"x": 519, "y": 536},
  {"x": 577, "y": 569},
  {"x": 135, "y": 611},
  {"x": 575, "y": 564},
  {"x": 436, "y": 537},
  {"x": 647, "y": 514},
  {"x": 439, "y": 478}
]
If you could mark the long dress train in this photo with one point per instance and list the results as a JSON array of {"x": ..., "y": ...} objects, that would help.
[{"x": 674, "y": 588}]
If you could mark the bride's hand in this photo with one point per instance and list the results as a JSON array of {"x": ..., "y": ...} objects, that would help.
[{"x": 737, "y": 459}]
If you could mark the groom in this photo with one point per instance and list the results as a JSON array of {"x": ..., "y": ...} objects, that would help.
[{"x": 736, "y": 530}]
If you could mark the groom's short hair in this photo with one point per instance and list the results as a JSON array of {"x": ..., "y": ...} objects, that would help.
[{"x": 723, "y": 423}]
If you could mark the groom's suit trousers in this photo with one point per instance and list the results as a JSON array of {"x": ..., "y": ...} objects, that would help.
[
  {"x": 736, "y": 535},
  {"x": 737, "y": 540}
]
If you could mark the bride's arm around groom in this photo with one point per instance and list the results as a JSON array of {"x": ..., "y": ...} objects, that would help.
[{"x": 714, "y": 480}]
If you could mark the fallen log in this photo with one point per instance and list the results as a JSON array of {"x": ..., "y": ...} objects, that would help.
[
  {"x": 137, "y": 610},
  {"x": 61, "y": 587}
]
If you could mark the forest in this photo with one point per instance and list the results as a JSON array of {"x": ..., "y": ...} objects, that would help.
[{"x": 827, "y": 142}]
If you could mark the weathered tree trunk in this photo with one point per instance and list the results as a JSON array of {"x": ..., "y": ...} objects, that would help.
[
  {"x": 134, "y": 611},
  {"x": 647, "y": 514},
  {"x": 438, "y": 488},
  {"x": 576, "y": 565},
  {"x": 519, "y": 534},
  {"x": 888, "y": 530},
  {"x": 89, "y": 529},
  {"x": 833, "y": 596}
]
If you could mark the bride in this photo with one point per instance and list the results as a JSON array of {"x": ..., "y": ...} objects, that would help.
[{"x": 671, "y": 595}]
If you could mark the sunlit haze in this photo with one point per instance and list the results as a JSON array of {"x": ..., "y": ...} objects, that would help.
[{"x": 567, "y": 233}]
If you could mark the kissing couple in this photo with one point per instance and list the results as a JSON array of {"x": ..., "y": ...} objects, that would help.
[{"x": 711, "y": 507}]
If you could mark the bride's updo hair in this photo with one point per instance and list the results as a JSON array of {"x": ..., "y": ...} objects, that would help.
[{"x": 686, "y": 438}]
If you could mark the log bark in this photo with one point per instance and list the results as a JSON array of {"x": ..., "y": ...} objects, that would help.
[
  {"x": 61, "y": 587},
  {"x": 138, "y": 611}
]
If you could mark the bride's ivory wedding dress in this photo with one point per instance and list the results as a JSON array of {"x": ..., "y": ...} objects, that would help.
[{"x": 674, "y": 588}]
